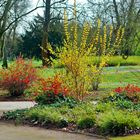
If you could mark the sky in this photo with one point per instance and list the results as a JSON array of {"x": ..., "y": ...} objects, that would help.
[{"x": 40, "y": 11}]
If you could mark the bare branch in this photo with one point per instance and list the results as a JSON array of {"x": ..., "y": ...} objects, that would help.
[{"x": 25, "y": 14}]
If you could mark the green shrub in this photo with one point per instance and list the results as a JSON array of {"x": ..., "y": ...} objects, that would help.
[
  {"x": 138, "y": 51},
  {"x": 118, "y": 122},
  {"x": 126, "y": 104},
  {"x": 83, "y": 109},
  {"x": 63, "y": 123},
  {"x": 51, "y": 99},
  {"x": 14, "y": 115},
  {"x": 86, "y": 122},
  {"x": 44, "y": 115},
  {"x": 102, "y": 107}
]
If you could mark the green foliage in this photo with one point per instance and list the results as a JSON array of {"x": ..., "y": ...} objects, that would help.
[
  {"x": 58, "y": 101},
  {"x": 30, "y": 42},
  {"x": 134, "y": 137},
  {"x": 44, "y": 115},
  {"x": 86, "y": 122},
  {"x": 59, "y": 116},
  {"x": 103, "y": 107},
  {"x": 127, "y": 104},
  {"x": 81, "y": 110},
  {"x": 118, "y": 122},
  {"x": 108, "y": 119},
  {"x": 51, "y": 99},
  {"x": 138, "y": 51},
  {"x": 14, "y": 115}
]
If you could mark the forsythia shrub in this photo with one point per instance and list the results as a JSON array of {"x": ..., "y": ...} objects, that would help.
[
  {"x": 76, "y": 55},
  {"x": 50, "y": 90},
  {"x": 18, "y": 77}
]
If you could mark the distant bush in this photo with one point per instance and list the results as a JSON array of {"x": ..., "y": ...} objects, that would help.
[
  {"x": 138, "y": 51},
  {"x": 18, "y": 77}
]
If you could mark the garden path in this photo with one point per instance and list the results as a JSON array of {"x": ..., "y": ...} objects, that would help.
[{"x": 12, "y": 132}]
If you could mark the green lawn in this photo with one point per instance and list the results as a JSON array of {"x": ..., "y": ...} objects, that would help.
[
  {"x": 112, "y": 77},
  {"x": 136, "y": 137},
  {"x": 119, "y": 79}
]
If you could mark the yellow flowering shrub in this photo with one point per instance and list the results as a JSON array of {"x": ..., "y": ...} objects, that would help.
[{"x": 80, "y": 74}]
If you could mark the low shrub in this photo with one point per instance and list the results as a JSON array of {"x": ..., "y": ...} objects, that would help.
[
  {"x": 44, "y": 115},
  {"x": 86, "y": 122},
  {"x": 49, "y": 91},
  {"x": 79, "y": 111},
  {"x": 127, "y": 105},
  {"x": 14, "y": 115},
  {"x": 118, "y": 122},
  {"x": 103, "y": 107},
  {"x": 18, "y": 77},
  {"x": 128, "y": 93}
]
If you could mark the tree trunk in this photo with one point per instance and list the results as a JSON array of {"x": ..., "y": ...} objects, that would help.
[
  {"x": 45, "y": 53},
  {"x": 4, "y": 54},
  {"x": 117, "y": 13}
]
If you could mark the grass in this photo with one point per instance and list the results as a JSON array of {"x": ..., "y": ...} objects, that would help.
[
  {"x": 120, "y": 79},
  {"x": 118, "y": 60},
  {"x": 112, "y": 77},
  {"x": 135, "y": 137},
  {"x": 114, "y": 61},
  {"x": 131, "y": 60}
]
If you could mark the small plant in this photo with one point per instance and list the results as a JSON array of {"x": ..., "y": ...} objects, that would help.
[
  {"x": 86, "y": 122},
  {"x": 103, "y": 107},
  {"x": 18, "y": 77},
  {"x": 127, "y": 105},
  {"x": 118, "y": 122}
]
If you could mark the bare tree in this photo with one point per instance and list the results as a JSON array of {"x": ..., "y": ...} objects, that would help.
[
  {"x": 124, "y": 13},
  {"x": 11, "y": 13}
]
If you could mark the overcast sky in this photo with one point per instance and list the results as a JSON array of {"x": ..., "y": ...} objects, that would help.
[{"x": 40, "y": 11}]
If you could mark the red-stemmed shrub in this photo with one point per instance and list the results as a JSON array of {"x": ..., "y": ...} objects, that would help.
[
  {"x": 49, "y": 90},
  {"x": 18, "y": 77},
  {"x": 130, "y": 92}
]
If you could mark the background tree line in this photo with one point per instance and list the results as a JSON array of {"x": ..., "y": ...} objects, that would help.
[{"x": 49, "y": 27}]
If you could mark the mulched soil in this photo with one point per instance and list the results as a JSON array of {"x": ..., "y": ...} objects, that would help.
[{"x": 5, "y": 96}]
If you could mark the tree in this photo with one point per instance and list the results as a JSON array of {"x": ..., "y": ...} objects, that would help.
[
  {"x": 124, "y": 13},
  {"x": 11, "y": 13},
  {"x": 29, "y": 44},
  {"x": 53, "y": 11}
]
